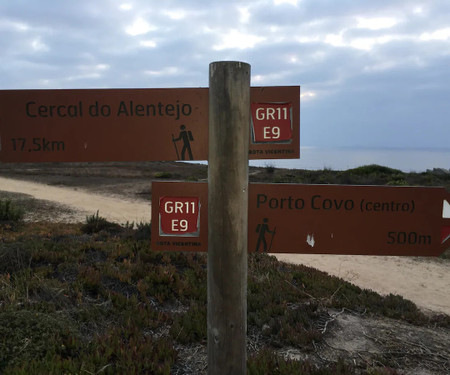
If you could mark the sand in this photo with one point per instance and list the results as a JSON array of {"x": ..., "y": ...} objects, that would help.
[
  {"x": 83, "y": 201},
  {"x": 425, "y": 281}
]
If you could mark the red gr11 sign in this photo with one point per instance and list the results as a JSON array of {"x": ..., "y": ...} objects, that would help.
[
  {"x": 271, "y": 122},
  {"x": 179, "y": 216}
]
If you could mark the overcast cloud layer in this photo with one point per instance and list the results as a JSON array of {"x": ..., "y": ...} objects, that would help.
[{"x": 373, "y": 73}]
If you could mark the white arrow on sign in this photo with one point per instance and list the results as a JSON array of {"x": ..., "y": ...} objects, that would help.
[{"x": 446, "y": 210}]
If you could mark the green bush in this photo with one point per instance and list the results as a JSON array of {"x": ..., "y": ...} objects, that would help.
[
  {"x": 96, "y": 223},
  {"x": 270, "y": 168},
  {"x": 374, "y": 169},
  {"x": 163, "y": 175},
  {"x": 28, "y": 335},
  {"x": 14, "y": 257},
  {"x": 445, "y": 254},
  {"x": 191, "y": 326},
  {"x": 9, "y": 212},
  {"x": 143, "y": 231}
]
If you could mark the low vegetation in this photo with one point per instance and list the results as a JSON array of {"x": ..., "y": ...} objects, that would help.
[
  {"x": 10, "y": 212},
  {"x": 99, "y": 301},
  {"x": 365, "y": 175},
  {"x": 94, "y": 298}
]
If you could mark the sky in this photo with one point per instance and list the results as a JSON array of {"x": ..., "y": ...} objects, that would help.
[{"x": 373, "y": 73}]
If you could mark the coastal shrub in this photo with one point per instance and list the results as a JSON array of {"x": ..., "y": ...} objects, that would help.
[
  {"x": 9, "y": 212},
  {"x": 398, "y": 182},
  {"x": 115, "y": 306},
  {"x": 143, "y": 231},
  {"x": 96, "y": 223},
  {"x": 445, "y": 254},
  {"x": 14, "y": 257},
  {"x": 270, "y": 168},
  {"x": 28, "y": 335},
  {"x": 163, "y": 175},
  {"x": 191, "y": 326},
  {"x": 374, "y": 169}
]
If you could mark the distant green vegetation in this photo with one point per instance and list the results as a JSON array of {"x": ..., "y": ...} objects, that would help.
[
  {"x": 365, "y": 175},
  {"x": 163, "y": 175}
]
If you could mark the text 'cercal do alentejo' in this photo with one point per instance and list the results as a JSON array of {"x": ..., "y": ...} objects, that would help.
[{"x": 124, "y": 108}]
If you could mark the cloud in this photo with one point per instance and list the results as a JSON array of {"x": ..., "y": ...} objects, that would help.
[
  {"x": 376, "y": 23},
  {"x": 292, "y": 2},
  {"x": 139, "y": 27},
  {"x": 372, "y": 72},
  {"x": 238, "y": 39},
  {"x": 125, "y": 6},
  {"x": 38, "y": 45},
  {"x": 440, "y": 34}
]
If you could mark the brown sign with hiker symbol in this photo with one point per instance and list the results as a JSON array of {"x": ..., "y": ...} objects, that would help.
[
  {"x": 83, "y": 125},
  {"x": 323, "y": 219}
]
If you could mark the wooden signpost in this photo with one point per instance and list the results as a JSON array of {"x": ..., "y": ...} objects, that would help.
[
  {"x": 229, "y": 118},
  {"x": 226, "y": 217}
]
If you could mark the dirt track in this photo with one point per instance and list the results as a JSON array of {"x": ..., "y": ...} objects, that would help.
[{"x": 82, "y": 202}]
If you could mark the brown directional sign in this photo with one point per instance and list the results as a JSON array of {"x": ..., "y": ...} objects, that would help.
[
  {"x": 136, "y": 124},
  {"x": 314, "y": 219}
]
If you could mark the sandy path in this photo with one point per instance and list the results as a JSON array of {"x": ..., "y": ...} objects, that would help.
[
  {"x": 85, "y": 203},
  {"x": 424, "y": 281}
]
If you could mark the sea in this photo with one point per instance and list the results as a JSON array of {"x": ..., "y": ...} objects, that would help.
[{"x": 404, "y": 159}]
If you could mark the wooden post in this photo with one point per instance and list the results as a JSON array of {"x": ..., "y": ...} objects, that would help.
[{"x": 229, "y": 123}]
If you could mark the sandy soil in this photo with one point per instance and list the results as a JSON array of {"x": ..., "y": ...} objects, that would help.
[
  {"x": 424, "y": 281},
  {"x": 83, "y": 202}
]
